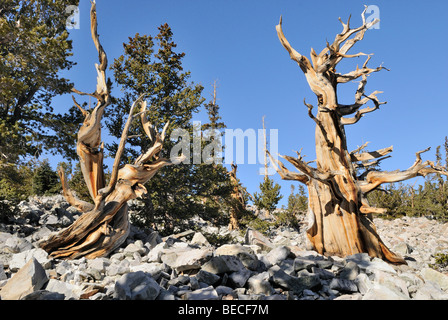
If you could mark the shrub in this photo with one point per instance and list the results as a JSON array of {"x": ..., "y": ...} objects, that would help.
[
  {"x": 441, "y": 263},
  {"x": 15, "y": 181}
]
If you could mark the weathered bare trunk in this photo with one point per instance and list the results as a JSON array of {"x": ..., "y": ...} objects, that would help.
[
  {"x": 104, "y": 225},
  {"x": 340, "y": 214},
  {"x": 237, "y": 200}
]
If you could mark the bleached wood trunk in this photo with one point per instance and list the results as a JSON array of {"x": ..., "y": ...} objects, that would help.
[
  {"x": 104, "y": 224},
  {"x": 341, "y": 218},
  {"x": 237, "y": 200}
]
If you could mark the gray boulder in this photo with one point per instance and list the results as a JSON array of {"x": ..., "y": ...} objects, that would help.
[
  {"x": 294, "y": 284},
  {"x": 186, "y": 258},
  {"x": 361, "y": 259},
  {"x": 350, "y": 271},
  {"x": 207, "y": 277},
  {"x": 136, "y": 286},
  {"x": 155, "y": 254},
  {"x": 343, "y": 285},
  {"x": 259, "y": 284},
  {"x": 118, "y": 268},
  {"x": 99, "y": 264},
  {"x": 239, "y": 278},
  {"x": 441, "y": 279},
  {"x": 30, "y": 278},
  {"x": 430, "y": 291},
  {"x": 208, "y": 293},
  {"x": 381, "y": 292},
  {"x": 135, "y": 247},
  {"x": 70, "y": 291},
  {"x": 223, "y": 264},
  {"x": 44, "y": 295},
  {"x": 199, "y": 239},
  {"x": 301, "y": 263},
  {"x": 154, "y": 269},
  {"x": 20, "y": 259},
  {"x": 254, "y": 237},
  {"x": 277, "y": 255},
  {"x": 246, "y": 255},
  {"x": 15, "y": 244}
]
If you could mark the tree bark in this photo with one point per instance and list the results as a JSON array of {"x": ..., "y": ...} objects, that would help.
[
  {"x": 341, "y": 218},
  {"x": 237, "y": 200},
  {"x": 104, "y": 225}
]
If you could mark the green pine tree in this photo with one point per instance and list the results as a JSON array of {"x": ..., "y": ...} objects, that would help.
[
  {"x": 16, "y": 181},
  {"x": 45, "y": 180},
  {"x": 270, "y": 192},
  {"x": 34, "y": 48},
  {"x": 269, "y": 196},
  {"x": 297, "y": 202},
  {"x": 151, "y": 66}
]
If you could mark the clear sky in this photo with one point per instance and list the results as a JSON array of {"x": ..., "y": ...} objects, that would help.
[{"x": 235, "y": 43}]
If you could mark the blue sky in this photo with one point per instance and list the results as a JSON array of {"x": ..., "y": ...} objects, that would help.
[{"x": 235, "y": 43}]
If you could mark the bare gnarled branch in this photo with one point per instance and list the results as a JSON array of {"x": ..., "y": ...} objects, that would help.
[
  {"x": 83, "y": 206},
  {"x": 284, "y": 173},
  {"x": 375, "y": 178},
  {"x": 303, "y": 61},
  {"x": 370, "y": 155},
  {"x": 364, "y": 71}
]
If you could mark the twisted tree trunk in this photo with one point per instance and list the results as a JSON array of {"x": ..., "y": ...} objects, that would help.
[
  {"x": 341, "y": 218},
  {"x": 104, "y": 224}
]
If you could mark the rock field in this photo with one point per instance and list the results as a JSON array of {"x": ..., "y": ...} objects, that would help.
[{"x": 186, "y": 267}]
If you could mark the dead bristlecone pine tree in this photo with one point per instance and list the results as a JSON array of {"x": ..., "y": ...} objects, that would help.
[
  {"x": 340, "y": 218},
  {"x": 104, "y": 224}
]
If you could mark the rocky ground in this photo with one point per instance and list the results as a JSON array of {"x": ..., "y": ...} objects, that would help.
[{"x": 186, "y": 267}]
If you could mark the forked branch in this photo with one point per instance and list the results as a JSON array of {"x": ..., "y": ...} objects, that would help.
[
  {"x": 284, "y": 173},
  {"x": 303, "y": 61},
  {"x": 360, "y": 100},
  {"x": 364, "y": 71},
  {"x": 120, "y": 150},
  {"x": 342, "y": 44},
  {"x": 332, "y": 54},
  {"x": 311, "y": 172},
  {"x": 370, "y": 155},
  {"x": 154, "y": 136},
  {"x": 375, "y": 178}
]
